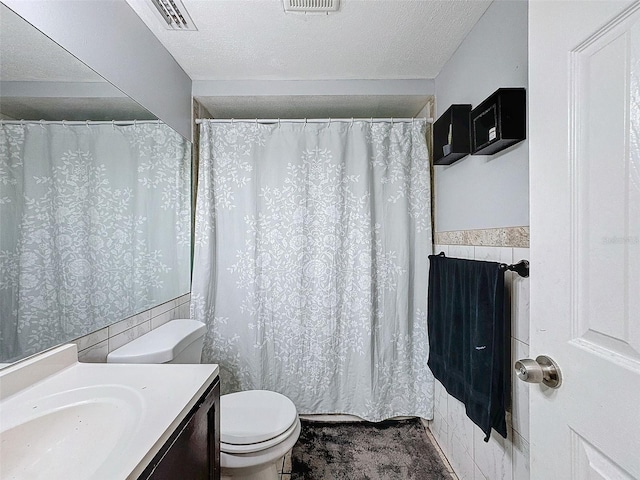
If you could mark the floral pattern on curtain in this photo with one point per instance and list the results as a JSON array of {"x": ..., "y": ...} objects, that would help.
[
  {"x": 90, "y": 218},
  {"x": 310, "y": 264}
]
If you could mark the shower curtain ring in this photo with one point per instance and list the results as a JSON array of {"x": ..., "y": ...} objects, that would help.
[
  {"x": 351, "y": 122},
  {"x": 42, "y": 124},
  {"x": 279, "y": 124}
]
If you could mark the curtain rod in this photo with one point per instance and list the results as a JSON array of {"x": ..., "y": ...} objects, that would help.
[
  {"x": 309, "y": 120},
  {"x": 79, "y": 122}
]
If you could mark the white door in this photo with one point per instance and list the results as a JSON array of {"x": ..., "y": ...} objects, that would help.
[{"x": 584, "y": 138}]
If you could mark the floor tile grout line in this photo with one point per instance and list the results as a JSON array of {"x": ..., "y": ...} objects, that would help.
[
  {"x": 443, "y": 457},
  {"x": 284, "y": 462}
]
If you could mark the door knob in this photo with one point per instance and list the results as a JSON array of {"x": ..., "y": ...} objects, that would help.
[{"x": 541, "y": 370}]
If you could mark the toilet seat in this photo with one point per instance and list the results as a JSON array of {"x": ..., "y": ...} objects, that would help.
[
  {"x": 256, "y": 447},
  {"x": 254, "y": 420}
]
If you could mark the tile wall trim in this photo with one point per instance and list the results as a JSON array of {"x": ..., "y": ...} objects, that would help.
[
  {"x": 462, "y": 441},
  {"x": 94, "y": 347},
  {"x": 493, "y": 237}
]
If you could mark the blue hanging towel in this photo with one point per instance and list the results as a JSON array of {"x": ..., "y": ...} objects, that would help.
[{"x": 469, "y": 347}]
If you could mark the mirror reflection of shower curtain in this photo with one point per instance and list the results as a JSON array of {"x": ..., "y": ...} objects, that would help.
[
  {"x": 90, "y": 215},
  {"x": 310, "y": 264}
]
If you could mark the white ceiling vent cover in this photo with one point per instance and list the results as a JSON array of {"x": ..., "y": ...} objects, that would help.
[
  {"x": 311, "y": 6},
  {"x": 173, "y": 14}
]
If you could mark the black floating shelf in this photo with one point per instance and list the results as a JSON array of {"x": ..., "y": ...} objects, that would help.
[
  {"x": 499, "y": 121},
  {"x": 456, "y": 120}
]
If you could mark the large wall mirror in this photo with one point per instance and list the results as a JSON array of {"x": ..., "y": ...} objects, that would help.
[{"x": 95, "y": 196}]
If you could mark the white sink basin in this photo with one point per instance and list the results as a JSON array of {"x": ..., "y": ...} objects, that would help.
[
  {"x": 65, "y": 420},
  {"x": 49, "y": 437}
]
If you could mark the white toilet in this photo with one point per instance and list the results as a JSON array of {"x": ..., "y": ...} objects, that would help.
[{"x": 257, "y": 427}]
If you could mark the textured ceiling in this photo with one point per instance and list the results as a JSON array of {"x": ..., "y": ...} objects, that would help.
[
  {"x": 59, "y": 86},
  {"x": 26, "y": 54},
  {"x": 366, "y": 39},
  {"x": 255, "y": 40}
]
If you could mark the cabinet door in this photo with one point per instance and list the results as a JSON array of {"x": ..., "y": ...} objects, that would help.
[{"x": 193, "y": 451}]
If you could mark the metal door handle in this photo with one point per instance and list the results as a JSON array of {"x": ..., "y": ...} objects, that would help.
[{"x": 541, "y": 370}]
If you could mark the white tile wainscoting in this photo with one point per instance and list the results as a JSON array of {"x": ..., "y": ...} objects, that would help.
[
  {"x": 94, "y": 347},
  {"x": 459, "y": 438}
]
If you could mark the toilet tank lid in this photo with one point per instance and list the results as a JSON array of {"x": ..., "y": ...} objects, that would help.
[{"x": 160, "y": 345}]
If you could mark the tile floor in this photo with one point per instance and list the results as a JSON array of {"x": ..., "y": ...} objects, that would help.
[
  {"x": 441, "y": 453},
  {"x": 284, "y": 467}
]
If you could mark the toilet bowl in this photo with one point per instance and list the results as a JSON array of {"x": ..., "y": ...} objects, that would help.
[{"x": 257, "y": 427}]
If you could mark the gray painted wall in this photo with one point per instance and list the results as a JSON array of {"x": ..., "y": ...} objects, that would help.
[
  {"x": 485, "y": 191},
  {"x": 231, "y": 88},
  {"x": 110, "y": 38}
]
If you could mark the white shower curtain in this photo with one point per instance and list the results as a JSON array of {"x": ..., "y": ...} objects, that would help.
[
  {"x": 95, "y": 224},
  {"x": 310, "y": 264}
]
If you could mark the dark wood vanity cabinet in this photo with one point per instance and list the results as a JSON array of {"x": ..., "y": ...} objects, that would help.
[{"x": 193, "y": 450}]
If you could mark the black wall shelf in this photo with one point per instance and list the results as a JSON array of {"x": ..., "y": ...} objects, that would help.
[
  {"x": 498, "y": 122},
  {"x": 456, "y": 120}
]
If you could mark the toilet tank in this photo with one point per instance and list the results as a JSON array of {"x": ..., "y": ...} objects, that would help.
[{"x": 177, "y": 341}]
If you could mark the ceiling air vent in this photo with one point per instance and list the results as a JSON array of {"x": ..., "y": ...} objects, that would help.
[
  {"x": 311, "y": 6},
  {"x": 174, "y": 15}
]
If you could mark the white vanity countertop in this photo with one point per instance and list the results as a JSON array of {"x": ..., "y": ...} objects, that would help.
[{"x": 63, "y": 419}]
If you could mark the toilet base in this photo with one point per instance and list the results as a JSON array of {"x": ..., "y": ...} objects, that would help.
[
  {"x": 264, "y": 472},
  {"x": 261, "y": 465}
]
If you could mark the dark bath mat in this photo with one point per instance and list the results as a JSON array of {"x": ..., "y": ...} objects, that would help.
[{"x": 389, "y": 450}]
